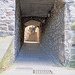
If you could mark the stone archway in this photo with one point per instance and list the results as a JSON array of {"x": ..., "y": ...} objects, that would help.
[
  {"x": 29, "y": 26},
  {"x": 50, "y": 22},
  {"x": 31, "y": 33},
  {"x": 54, "y": 11}
]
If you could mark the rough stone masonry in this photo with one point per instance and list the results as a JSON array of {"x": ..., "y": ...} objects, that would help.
[
  {"x": 52, "y": 35},
  {"x": 7, "y": 17},
  {"x": 7, "y": 27}
]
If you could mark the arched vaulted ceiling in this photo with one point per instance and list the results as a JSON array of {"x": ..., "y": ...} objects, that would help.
[{"x": 32, "y": 22}]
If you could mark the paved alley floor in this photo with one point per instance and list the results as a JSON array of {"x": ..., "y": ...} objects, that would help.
[
  {"x": 32, "y": 60},
  {"x": 32, "y": 54}
]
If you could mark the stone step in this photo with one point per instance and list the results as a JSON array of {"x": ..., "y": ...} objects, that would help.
[
  {"x": 26, "y": 70},
  {"x": 39, "y": 71},
  {"x": 30, "y": 70}
]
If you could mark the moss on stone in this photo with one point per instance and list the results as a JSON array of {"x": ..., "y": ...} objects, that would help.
[
  {"x": 72, "y": 64},
  {"x": 7, "y": 59}
]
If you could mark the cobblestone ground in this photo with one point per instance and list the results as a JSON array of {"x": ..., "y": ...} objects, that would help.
[{"x": 32, "y": 60}]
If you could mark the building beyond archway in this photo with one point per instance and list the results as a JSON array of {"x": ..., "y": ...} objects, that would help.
[{"x": 31, "y": 33}]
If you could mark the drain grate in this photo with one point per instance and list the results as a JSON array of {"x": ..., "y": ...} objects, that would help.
[{"x": 42, "y": 72}]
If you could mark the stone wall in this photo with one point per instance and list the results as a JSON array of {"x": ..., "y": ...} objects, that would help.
[
  {"x": 68, "y": 52},
  {"x": 52, "y": 35},
  {"x": 7, "y": 18},
  {"x": 69, "y": 18},
  {"x": 18, "y": 29}
]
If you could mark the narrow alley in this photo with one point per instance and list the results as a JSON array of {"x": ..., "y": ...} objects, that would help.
[{"x": 32, "y": 60}]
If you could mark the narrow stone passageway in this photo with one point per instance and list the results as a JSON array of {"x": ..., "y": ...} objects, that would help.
[
  {"x": 42, "y": 36},
  {"x": 32, "y": 60},
  {"x": 44, "y": 23}
]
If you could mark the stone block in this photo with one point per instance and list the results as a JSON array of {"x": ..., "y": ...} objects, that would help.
[
  {"x": 67, "y": 27},
  {"x": 72, "y": 64},
  {"x": 3, "y": 33},
  {"x": 3, "y": 28},
  {"x": 11, "y": 27},
  {"x": 2, "y": 17},
  {"x": 10, "y": 33},
  {"x": 67, "y": 63},
  {"x": 73, "y": 51},
  {"x": 3, "y": 24},
  {"x": 72, "y": 57},
  {"x": 2, "y": 12},
  {"x": 9, "y": 21},
  {"x": 10, "y": 13}
]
